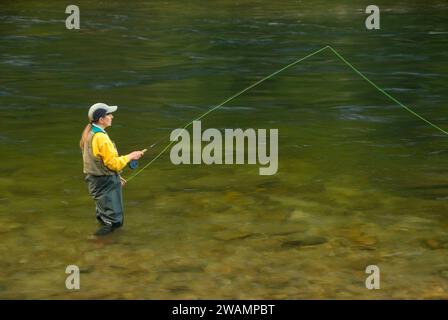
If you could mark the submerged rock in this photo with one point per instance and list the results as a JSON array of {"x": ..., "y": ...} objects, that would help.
[
  {"x": 269, "y": 184},
  {"x": 309, "y": 241},
  {"x": 435, "y": 244},
  {"x": 359, "y": 237},
  {"x": 179, "y": 289},
  {"x": 232, "y": 235},
  {"x": 5, "y": 228},
  {"x": 443, "y": 273},
  {"x": 187, "y": 268},
  {"x": 87, "y": 269},
  {"x": 285, "y": 233},
  {"x": 436, "y": 292},
  {"x": 299, "y": 215}
]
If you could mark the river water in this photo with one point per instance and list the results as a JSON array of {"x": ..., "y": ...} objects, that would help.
[{"x": 361, "y": 181}]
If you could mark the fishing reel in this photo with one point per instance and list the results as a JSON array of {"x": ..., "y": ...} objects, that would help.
[{"x": 133, "y": 164}]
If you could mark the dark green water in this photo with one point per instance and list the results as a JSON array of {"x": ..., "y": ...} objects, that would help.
[{"x": 361, "y": 181}]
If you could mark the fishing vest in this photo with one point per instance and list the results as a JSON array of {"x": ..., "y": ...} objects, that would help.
[{"x": 93, "y": 165}]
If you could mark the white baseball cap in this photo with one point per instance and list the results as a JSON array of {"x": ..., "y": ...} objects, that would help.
[{"x": 99, "y": 110}]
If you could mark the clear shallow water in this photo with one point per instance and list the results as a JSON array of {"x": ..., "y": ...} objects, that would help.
[{"x": 360, "y": 181}]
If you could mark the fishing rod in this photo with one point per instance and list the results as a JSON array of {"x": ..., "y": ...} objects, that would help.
[
  {"x": 270, "y": 76},
  {"x": 133, "y": 164}
]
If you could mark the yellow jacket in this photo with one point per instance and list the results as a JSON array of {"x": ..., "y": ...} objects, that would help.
[{"x": 104, "y": 148}]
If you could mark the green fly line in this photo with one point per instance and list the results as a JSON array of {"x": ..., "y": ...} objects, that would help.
[{"x": 273, "y": 75}]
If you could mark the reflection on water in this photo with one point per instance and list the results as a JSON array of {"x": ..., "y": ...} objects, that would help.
[{"x": 360, "y": 181}]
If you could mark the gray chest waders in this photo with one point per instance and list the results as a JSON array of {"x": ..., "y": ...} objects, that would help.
[{"x": 106, "y": 191}]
